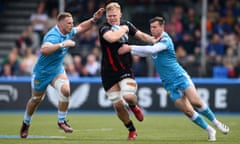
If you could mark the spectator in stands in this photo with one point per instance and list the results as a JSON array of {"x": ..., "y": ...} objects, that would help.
[
  {"x": 215, "y": 47},
  {"x": 39, "y": 20},
  {"x": 92, "y": 66},
  {"x": 29, "y": 58},
  {"x": 23, "y": 42},
  {"x": 97, "y": 52},
  {"x": 22, "y": 69},
  {"x": 139, "y": 66},
  {"x": 187, "y": 42},
  {"x": 52, "y": 20},
  {"x": 175, "y": 28},
  {"x": 191, "y": 21},
  {"x": 78, "y": 66},
  {"x": 50, "y": 5},
  {"x": 221, "y": 26},
  {"x": 6, "y": 71},
  {"x": 230, "y": 40},
  {"x": 181, "y": 55},
  {"x": 71, "y": 71},
  {"x": 86, "y": 42},
  {"x": 230, "y": 62},
  {"x": 13, "y": 60},
  {"x": 34, "y": 38}
]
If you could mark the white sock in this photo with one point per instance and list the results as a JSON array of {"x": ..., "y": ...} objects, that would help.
[
  {"x": 27, "y": 118},
  {"x": 215, "y": 122},
  {"x": 210, "y": 129},
  {"x": 61, "y": 116}
]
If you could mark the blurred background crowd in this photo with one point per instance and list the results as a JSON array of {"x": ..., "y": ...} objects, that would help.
[{"x": 183, "y": 23}]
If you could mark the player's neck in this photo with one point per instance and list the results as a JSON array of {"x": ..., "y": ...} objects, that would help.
[{"x": 61, "y": 30}]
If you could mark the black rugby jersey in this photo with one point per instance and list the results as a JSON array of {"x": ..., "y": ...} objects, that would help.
[{"x": 111, "y": 60}]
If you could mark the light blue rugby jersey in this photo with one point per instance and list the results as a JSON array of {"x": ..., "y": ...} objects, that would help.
[
  {"x": 165, "y": 61},
  {"x": 53, "y": 63}
]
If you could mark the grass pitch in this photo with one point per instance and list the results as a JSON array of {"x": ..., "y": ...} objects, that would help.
[{"x": 106, "y": 128}]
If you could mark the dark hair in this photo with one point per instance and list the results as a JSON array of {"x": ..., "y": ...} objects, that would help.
[{"x": 160, "y": 20}]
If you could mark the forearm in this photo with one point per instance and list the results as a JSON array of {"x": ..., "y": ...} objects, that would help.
[
  {"x": 148, "y": 49},
  {"x": 145, "y": 37},
  {"x": 113, "y": 36},
  {"x": 141, "y": 54},
  {"x": 86, "y": 25},
  {"x": 47, "y": 49}
]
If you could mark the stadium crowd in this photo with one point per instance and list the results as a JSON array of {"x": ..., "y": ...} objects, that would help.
[{"x": 183, "y": 23}]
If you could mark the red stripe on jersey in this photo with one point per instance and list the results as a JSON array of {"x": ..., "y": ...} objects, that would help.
[
  {"x": 111, "y": 59},
  {"x": 123, "y": 67}
]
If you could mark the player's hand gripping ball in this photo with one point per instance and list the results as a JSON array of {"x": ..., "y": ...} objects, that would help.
[{"x": 124, "y": 38}]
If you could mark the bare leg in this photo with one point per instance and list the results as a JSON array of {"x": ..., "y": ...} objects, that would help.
[
  {"x": 32, "y": 105},
  {"x": 203, "y": 109},
  {"x": 184, "y": 105}
]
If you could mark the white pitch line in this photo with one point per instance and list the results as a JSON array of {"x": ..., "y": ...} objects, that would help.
[
  {"x": 88, "y": 130},
  {"x": 31, "y": 137}
]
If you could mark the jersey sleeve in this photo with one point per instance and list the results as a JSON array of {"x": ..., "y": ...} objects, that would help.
[
  {"x": 73, "y": 32},
  {"x": 104, "y": 29},
  {"x": 165, "y": 42},
  {"x": 148, "y": 49},
  {"x": 51, "y": 39},
  {"x": 132, "y": 28}
]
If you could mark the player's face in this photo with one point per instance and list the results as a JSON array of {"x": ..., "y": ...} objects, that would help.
[
  {"x": 67, "y": 25},
  {"x": 113, "y": 16},
  {"x": 156, "y": 29}
]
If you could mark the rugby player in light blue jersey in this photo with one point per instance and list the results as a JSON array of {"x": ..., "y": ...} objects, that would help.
[
  {"x": 49, "y": 68},
  {"x": 175, "y": 79}
]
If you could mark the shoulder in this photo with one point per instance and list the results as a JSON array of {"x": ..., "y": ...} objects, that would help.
[
  {"x": 104, "y": 27},
  {"x": 52, "y": 35},
  {"x": 53, "y": 30},
  {"x": 165, "y": 37}
]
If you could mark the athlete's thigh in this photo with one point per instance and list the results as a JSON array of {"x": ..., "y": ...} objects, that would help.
[{"x": 193, "y": 97}]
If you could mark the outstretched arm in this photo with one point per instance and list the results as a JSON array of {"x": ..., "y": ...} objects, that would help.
[
  {"x": 49, "y": 48},
  {"x": 87, "y": 24},
  {"x": 142, "y": 50},
  {"x": 146, "y": 37}
]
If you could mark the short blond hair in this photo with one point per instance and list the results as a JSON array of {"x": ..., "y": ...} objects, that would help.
[
  {"x": 63, "y": 15},
  {"x": 112, "y": 5}
]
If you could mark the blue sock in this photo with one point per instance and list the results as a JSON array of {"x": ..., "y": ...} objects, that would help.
[
  {"x": 27, "y": 118},
  {"x": 198, "y": 120},
  {"x": 61, "y": 116},
  {"x": 207, "y": 112}
]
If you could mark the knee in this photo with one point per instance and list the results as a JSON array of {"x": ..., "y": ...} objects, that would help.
[
  {"x": 189, "y": 113},
  {"x": 128, "y": 87},
  {"x": 131, "y": 99},
  {"x": 65, "y": 90},
  {"x": 128, "y": 90}
]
